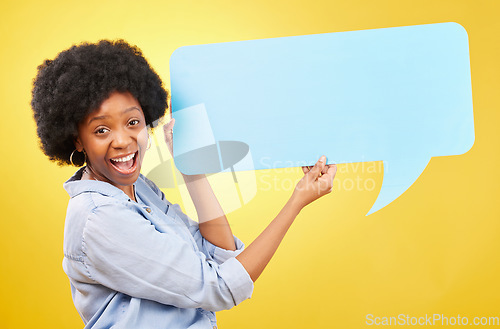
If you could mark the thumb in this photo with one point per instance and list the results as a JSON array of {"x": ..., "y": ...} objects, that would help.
[{"x": 318, "y": 167}]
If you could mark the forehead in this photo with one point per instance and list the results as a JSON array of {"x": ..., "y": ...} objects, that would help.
[
  {"x": 116, "y": 105},
  {"x": 118, "y": 100}
]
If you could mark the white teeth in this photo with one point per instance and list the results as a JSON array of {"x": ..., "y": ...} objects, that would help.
[{"x": 128, "y": 157}]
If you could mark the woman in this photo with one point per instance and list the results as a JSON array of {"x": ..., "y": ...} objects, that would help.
[{"x": 134, "y": 260}]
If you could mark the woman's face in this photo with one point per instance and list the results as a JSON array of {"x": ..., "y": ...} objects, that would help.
[{"x": 115, "y": 138}]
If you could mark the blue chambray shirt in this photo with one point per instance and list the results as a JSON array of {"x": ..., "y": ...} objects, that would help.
[{"x": 145, "y": 264}]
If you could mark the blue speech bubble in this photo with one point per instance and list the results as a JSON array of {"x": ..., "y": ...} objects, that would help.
[{"x": 401, "y": 95}]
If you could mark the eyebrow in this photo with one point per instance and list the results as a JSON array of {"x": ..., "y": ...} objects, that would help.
[{"x": 102, "y": 117}]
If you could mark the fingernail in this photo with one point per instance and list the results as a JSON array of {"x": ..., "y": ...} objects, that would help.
[{"x": 323, "y": 158}]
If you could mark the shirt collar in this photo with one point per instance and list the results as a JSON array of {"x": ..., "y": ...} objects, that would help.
[{"x": 75, "y": 185}]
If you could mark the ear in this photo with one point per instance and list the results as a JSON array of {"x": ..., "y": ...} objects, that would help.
[{"x": 78, "y": 144}]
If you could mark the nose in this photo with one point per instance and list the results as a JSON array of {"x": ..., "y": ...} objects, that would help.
[{"x": 121, "y": 139}]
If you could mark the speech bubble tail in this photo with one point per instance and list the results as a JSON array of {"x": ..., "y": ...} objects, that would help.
[{"x": 399, "y": 175}]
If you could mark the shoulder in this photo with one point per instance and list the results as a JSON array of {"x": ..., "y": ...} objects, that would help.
[
  {"x": 79, "y": 209},
  {"x": 90, "y": 205},
  {"x": 85, "y": 203}
]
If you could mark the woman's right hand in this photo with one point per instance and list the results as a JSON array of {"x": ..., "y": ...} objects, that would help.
[{"x": 316, "y": 182}]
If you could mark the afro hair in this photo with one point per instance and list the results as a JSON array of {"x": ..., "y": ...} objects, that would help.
[{"x": 79, "y": 80}]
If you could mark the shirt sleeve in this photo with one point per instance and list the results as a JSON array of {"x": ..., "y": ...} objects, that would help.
[
  {"x": 125, "y": 252},
  {"x": 212, "y": 251},
  {"x": 218, "y": 254}
]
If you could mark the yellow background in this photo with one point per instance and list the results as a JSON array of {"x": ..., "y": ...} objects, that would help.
[{"x": 432, "y": 251}]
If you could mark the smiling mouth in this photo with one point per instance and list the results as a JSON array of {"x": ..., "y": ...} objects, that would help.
[{"x": 125, "y": 165}]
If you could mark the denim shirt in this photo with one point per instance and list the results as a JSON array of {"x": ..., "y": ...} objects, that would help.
[{"x": 144, "y": 264}]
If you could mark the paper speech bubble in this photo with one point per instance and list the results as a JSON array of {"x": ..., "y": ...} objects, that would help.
[{"x": 401, "y": 95}]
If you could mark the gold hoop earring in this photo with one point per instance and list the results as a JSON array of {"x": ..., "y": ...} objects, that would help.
[
  {"x": 149, "y": 142},
  {"x": 71, "y": 157}
]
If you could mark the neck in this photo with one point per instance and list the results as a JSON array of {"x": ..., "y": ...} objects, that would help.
[{"x": 89, "y": 173}]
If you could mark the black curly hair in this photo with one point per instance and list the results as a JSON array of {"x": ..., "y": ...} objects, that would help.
[{"x": 76, "y": 83}]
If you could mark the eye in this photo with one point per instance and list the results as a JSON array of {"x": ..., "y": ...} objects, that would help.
[
  {"x": 133, "y": 122},
  {"x": 101, "y": 131}
]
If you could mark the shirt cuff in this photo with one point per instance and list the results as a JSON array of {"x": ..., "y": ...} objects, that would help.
[
  {"x": 237, "y": 280},
  {"x": 221, "y": 255}
]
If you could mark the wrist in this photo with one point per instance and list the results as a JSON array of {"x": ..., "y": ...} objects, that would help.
[{"x": 295, "y": 204}]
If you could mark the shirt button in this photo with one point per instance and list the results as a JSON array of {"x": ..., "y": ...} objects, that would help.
[{"x": 148, "y": 210}]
